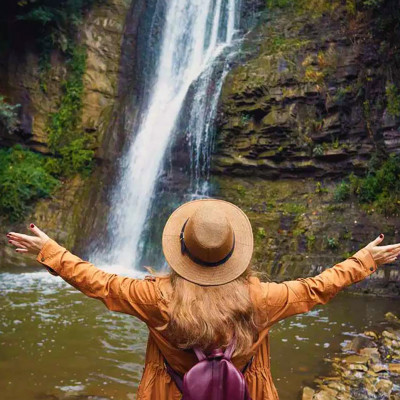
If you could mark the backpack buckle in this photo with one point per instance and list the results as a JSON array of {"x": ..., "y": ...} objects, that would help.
[{"x": 217, "y": 353}]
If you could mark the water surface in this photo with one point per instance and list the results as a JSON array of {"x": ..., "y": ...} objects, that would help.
[{"x": 54, "y": 341}]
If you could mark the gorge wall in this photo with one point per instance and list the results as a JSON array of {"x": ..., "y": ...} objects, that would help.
[
  {"x": 108, "y": 32},
  {"x": 307, "y": 104}
]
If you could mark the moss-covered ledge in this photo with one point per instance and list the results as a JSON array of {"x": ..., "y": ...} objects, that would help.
[{"x": 299, "y": 229}]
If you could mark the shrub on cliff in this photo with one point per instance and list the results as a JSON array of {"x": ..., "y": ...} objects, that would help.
[
  {"x": 8, "y": 115},
  {"x": 379, "y": 189},
  {"x": 23, "y": 179},
  {"x": 67, "y": 140}
]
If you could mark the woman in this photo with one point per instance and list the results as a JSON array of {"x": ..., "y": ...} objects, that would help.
[{"x": 209, "y": 298}]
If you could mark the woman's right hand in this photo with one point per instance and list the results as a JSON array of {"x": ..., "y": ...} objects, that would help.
[
  {"x": 27, "y": 243},
  {"x": 383, "y": 254}
]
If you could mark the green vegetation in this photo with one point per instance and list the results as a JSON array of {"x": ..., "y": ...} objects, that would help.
[
  {"x": 321, "y": 6},
  {"x": 319, "y": 189},
  {"x": 245, "y": 118},
  {"x": 261, "y": 234},
  {"x": 315, "y": 7},
  {"x": 49, "y": 23},
  {"x": 313, "y": 75},
  {"x": 281, "y": 44},
  {"x": 298, "y": 231},
  {"x": 342, "y": 192},
  {"x": 8, "y": 115},
  {"x": 241, "y": 190},
  {"x": 346, "y": 255},
  {"x": 332, "y": 243},
  {"x": 26, "y": 176},
  {"x": 310, "y": 241},
  {"x": 67, "y": 140},
  {"x": 351, "y": 7},
  {"x": 278, "y": 43},
  {"x": 271, "y": 4},
  {"x": 347, "y": 235},
  {"x": 318, "y": 150},
  {"x": 379, "y": 189},
  {"x": 341, "y": 94},
  {"x": 293, "y": 208},
  {"x": 372, "y": 3},
  {"x": 386, "y": 13},
  {"x": 393, "y": 100},
  {"x": 23, "y": 179}
]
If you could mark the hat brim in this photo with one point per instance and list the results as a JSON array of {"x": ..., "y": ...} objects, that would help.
[{"x": 203, "y": 275}]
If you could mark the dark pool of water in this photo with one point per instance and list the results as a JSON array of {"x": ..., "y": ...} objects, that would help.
[{"x": 55, "y": 341}]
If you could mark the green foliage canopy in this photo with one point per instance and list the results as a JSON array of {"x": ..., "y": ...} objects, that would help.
[
  {"x": 23, "y": 179},
  {"x": 380, "y": 188},
  {"x": 50, "y": 23}
]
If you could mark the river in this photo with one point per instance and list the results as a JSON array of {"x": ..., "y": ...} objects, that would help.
[{"x": 56, "y": 343}]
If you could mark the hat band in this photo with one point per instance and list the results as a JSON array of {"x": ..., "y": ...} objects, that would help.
[{"x": 197, "y": 260}]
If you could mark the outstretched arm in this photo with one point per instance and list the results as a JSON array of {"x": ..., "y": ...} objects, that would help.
[
  {"x": 123, "y": 294},
  {"x": 301, "y": 295}
]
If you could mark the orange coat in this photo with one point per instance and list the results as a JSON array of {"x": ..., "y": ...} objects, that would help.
[{"x": 148, "y": 300}]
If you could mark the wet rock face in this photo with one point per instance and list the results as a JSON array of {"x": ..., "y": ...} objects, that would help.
[
  {"x": 371, "y": 372},
  {"x": 109, "y": 32},
  {"x": 103, "y": 34},
  {"x": 21, "y": 80},
  {"x": 309, "y": 101},
  {"x": 299, "y": 230},
  {"x": 305, "y": 106}
]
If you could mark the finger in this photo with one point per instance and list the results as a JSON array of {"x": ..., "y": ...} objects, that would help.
[
  {"x": 16, "y": 236},
  {"x": 378, "y": 240},
  {"x": 33, "y": 228},
  {"x": 17, "y": 244},
  {"x": 394, "y": 252},
  {"x": 391, "y": 259},
  {"x": 390, "y": 247},
  {"x": 19, "y": 240},
  {"x": 21, "y": 250}
]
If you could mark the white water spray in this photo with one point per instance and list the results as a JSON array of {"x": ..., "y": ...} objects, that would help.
[{"x": 195, "y": 33}]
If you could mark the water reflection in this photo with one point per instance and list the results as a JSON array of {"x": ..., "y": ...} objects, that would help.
[{"x": 57, "y": 342}]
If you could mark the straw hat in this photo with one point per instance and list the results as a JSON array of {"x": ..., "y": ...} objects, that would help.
[{"x": 208, "y": 241}]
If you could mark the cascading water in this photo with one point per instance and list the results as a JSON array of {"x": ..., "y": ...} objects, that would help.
[{"x": 195, "y": 35}]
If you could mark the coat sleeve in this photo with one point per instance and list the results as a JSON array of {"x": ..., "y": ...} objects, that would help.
[
  {"x": 137, "y": 297},
  {"x": 301, "y": 295}
]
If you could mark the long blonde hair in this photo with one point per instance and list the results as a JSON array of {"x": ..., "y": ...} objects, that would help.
[{"x": 209, "y": 316}]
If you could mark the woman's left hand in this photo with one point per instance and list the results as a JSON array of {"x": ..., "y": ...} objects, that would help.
[{"x": 27, "y": 243}]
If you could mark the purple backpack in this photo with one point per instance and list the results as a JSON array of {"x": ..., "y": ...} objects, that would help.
[{"x": 214, "y": 377}]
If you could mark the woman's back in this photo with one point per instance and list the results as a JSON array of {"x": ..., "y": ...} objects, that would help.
[
  {"x": 156, "y": 382},
  {"x": 270, "y": 301}
]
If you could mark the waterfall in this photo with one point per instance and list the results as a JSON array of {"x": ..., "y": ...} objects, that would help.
[{"x": 195, "y": 34}]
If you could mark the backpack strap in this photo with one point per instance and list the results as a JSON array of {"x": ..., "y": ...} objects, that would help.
[
  {"x": 230, "y": 349},
  {"x": 246, "y": 367},
  {"x": 199, "y": 353},
  {"x": 174, "y": 375}
]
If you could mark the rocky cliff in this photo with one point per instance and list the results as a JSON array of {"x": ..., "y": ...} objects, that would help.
[
  {"x": 108, "y": 32},
  {"x": 311, "y": 102},
  {"x": 307, "y": 104},
  {"x": 312, "y": 97}
]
